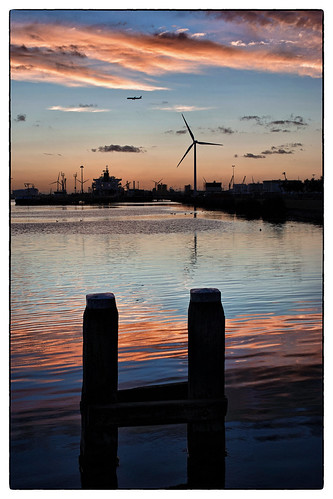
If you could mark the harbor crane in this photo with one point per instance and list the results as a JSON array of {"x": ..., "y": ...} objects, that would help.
[
  {"x": 232, "y": 180},
  {"x": 75, "y": 177}
]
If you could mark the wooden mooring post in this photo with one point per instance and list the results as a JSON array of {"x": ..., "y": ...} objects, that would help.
[
  {"x": 98, "y": 447},
  {"x": 206, "y": 347},
  {"x": 199, "y": 402}
]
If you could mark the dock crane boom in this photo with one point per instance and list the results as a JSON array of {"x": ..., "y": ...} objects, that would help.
[{"x": 232, "y": 180}]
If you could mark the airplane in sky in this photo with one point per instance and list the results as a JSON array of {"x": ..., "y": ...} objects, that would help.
[{"x": 135, "y": 98}]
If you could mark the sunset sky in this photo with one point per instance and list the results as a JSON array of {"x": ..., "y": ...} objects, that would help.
[{"x": 250, "y": 80}]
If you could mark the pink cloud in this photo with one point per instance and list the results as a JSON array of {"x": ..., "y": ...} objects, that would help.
[{"x": 76, "y": 56}]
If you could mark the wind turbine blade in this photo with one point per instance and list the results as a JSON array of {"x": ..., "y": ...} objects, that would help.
[
  {"x": 185, "y": 154},
  {"x": 188, "y": 128},
  {"x": 209, "y": 143}
]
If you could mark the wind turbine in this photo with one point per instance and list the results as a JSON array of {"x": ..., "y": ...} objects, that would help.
[
  {"x": 82, "y": 181},
  {"x": 194, "y": 143},
  {"x": 57, "y": 182},
  {"x": 156, "y": 182}
]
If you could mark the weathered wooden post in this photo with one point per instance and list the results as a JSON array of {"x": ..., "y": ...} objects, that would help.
[
  {"x": 98, "y": 448},
  {"x": 206, "y": 347}
]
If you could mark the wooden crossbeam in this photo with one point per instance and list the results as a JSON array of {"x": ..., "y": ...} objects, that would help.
[
  {"x": 168, "y": 391},
  {"x": 157, "y": 412}
]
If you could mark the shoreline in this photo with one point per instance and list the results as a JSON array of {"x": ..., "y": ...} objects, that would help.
[{"x": 304, "y": 208}]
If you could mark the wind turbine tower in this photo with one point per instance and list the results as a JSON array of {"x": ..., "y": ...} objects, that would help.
[
  {"x": 157, "y": 182},
  {"x": 82, "y": 181},
  {"x": 194, "y": 144}
]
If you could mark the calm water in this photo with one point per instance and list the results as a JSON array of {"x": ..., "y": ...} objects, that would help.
[{"x": 150, "y": 256}]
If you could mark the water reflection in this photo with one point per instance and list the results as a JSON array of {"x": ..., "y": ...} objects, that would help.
[{"x": 270, "y": 280}]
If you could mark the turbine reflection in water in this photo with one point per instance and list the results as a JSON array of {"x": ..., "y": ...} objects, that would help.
[{"x": 150, "y": 257}]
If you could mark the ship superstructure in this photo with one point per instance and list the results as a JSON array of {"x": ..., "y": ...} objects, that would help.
[{"x": 106, "y": 184}]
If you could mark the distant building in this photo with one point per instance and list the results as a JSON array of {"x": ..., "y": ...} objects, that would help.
[
  {"x": 187, "y": 189},
  {"x": 106, "y": 184},
  {"x": 213, "y": 186},
  {"x": 255, "y": 188},
  {"x": 272, "y": 186},
  {"x": 292, "y": 186},
  {"x": 162, "y": 188},
  {"x": 240, "y": 189}
]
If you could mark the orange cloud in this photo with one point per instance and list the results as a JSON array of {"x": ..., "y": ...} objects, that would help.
[
  {"x": 53, "y": 65},
  {"x": 114, "y": 59}
]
